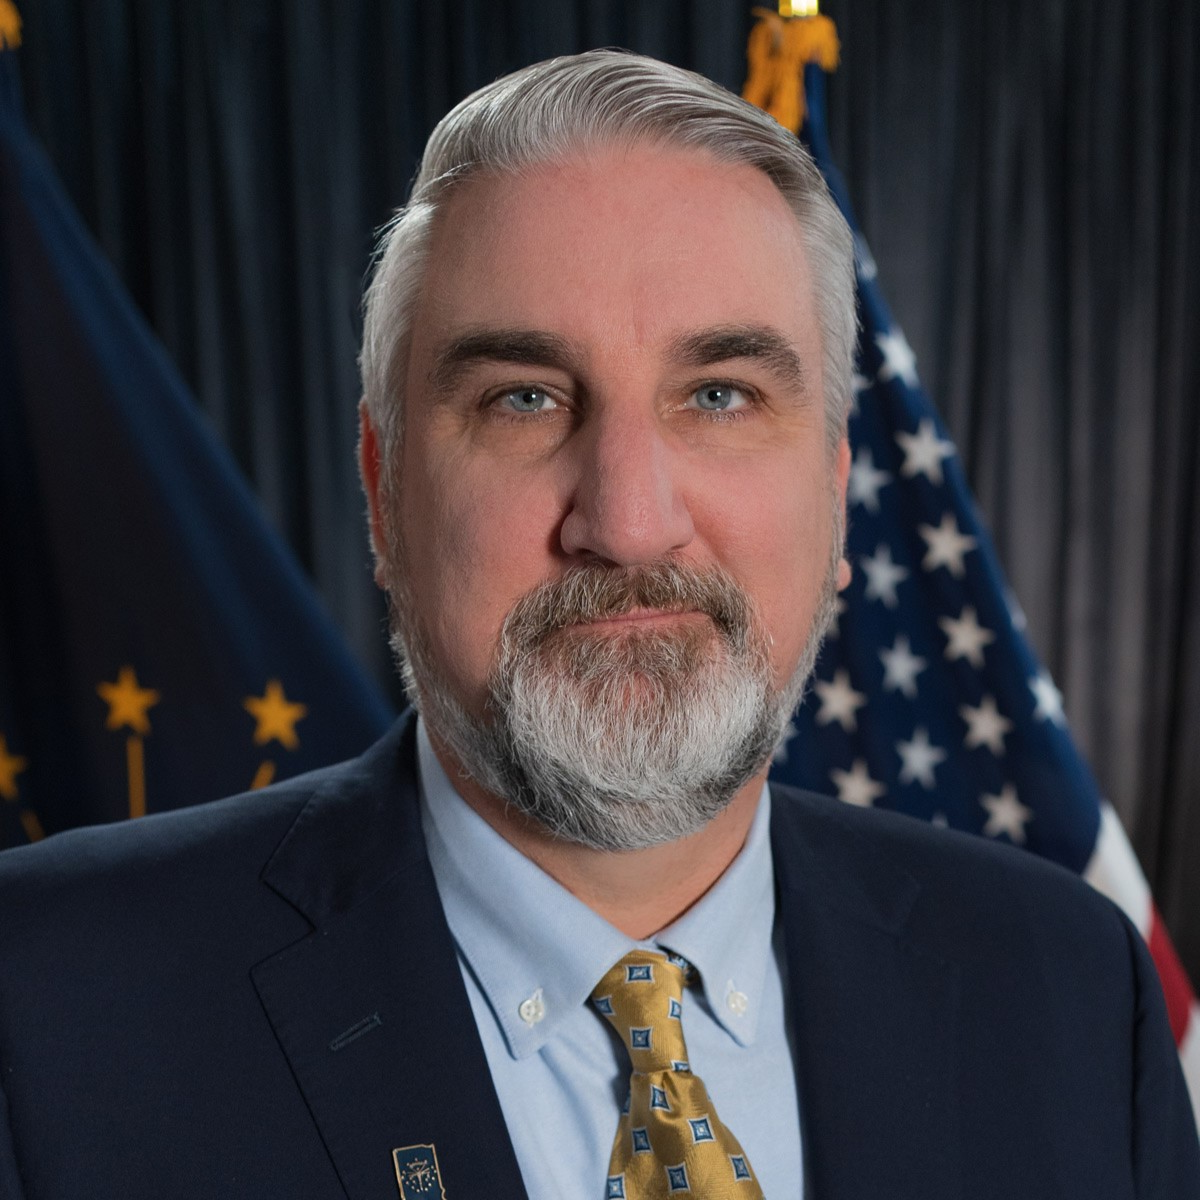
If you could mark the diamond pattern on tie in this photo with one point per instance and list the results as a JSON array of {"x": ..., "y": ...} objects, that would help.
[{"x": 669, "y": 1139}]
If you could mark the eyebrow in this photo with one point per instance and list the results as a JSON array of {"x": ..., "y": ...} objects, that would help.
[
  {"x": 537, "y": 348},
  {"x": 529, "y": 346},
  {"x": 760, "y": 343}
]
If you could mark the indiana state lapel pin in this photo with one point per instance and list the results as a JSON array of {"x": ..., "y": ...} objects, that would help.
[{"x": 417, "y": 1173}]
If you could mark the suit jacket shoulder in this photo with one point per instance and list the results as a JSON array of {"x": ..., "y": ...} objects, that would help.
[
  {"x": 973, "y": 894},
  {"x": 1002, "y": 1017},
  {"x": 257, "y": 997}
]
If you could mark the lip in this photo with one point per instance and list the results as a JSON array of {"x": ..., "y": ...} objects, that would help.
[{"x": 642, "y": 618}]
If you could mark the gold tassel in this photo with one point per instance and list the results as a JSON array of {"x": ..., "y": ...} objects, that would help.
[
  {"x": 777, "y": 53},
  {"x": 10, "y": 25}
]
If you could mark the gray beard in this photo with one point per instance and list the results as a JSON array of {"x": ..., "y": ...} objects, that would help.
[{"x": 626, "y": 739}]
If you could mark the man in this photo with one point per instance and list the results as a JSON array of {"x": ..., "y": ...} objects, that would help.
[{"x": 557, "y": 936}]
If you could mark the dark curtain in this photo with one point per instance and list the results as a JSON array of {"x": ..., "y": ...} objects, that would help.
[{"x": 1026, "y": 173}]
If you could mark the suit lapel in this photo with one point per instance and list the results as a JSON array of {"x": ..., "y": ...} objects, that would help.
[
  {"x": 370, "y": 1009},
  {"x": 875, "y": 1016}
]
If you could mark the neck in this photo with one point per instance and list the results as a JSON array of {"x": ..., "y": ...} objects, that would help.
[{"x": 637, "y": 891}]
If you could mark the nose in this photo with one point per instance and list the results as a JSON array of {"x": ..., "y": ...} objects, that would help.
[{"x": 627, "y": 507}]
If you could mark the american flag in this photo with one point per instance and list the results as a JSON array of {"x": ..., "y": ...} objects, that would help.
[{"x": 928, "y": 698}]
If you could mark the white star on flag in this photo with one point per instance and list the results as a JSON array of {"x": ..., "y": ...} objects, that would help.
[
  {"x": 899, "y": 361},
  {"x": 883, "y": 575},
  {"x": 1006, "y": 814},
  {"x": 924, "y": 451},
  {"x": 986, "y": 726},
  {"x": 781, "y": 751},
  {"x": 839, "y": 701},
  {"x": 1015, "y": 612},
  {"x": 919, "y": 758},
  {"x": 946, "y": 546},
  {"x": 965, "y": 637},
  {"x": 865, "y": 481},
  {"x": 856, "y": 785},
  {"x": 858, "y": 385},
  {"x": 1048, "y": 700},
  {"x": 864, "y": 260},
  {"x": 901, "y": 667},
  {"x": 839, "y": 609}
]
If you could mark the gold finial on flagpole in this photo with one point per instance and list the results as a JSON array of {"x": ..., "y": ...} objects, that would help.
[
  {"x": 780, "y": 47},
  {"x": 10, "y": 25}
]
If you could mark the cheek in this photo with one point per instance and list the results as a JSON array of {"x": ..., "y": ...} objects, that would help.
[
  {"x": 476, "y": 544},
  {"x": 774, "y": 534}
]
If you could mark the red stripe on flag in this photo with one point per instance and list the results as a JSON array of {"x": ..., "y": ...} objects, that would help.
[{"x": 1175, "y": 985}]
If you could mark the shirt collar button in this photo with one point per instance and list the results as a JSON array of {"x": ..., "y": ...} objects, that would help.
[{"x": 532, "y": 1009}]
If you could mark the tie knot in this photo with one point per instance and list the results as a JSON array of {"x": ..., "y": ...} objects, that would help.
[{"x": 641, "y": 997}]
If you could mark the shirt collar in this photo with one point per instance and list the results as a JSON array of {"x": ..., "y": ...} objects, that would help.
[
  {"x": 537, "y": 951},
  {"x": 726, "y": 934}
]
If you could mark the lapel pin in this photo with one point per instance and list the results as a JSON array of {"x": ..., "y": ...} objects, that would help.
[{"x": 417, "y": 1173}]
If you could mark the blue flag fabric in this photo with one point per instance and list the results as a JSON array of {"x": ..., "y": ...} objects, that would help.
[
  {"x": 159, "y": 646},
  {"x": 928, "y": 699}
]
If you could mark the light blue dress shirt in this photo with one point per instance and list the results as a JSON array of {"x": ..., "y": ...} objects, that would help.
[{"x": 531, "y": 953}]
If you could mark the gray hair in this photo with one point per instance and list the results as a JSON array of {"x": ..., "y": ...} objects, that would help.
[{"x": 552, "y": 111}]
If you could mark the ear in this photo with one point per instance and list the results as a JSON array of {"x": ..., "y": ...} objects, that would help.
[
  {"x": 842, "y": 469},
  {"x": 369, "y": 469}
]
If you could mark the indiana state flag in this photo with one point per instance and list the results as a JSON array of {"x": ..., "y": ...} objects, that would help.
[
  {"x": 158, "y": 644},
  {"x": 928, "y": 698}
]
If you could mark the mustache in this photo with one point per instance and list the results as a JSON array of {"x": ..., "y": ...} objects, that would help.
[{"x": 595, "y": 592}]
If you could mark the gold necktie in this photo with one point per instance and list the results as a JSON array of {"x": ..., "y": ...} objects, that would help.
[{"x": 669, "y": 1140}]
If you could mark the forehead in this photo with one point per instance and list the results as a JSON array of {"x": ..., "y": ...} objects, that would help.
[{"x": 638, "y": 244}]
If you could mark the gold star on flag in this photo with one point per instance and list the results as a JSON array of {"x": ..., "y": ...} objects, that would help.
[
  {"x": 276, "y": 716},
  {"x": 127, "y": 702},
  {"x": 11, "y": 765}
]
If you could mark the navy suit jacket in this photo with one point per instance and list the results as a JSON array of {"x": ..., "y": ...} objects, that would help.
[{"x": 260, "y": 998}]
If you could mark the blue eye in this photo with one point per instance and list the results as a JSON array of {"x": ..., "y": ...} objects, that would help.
[
  {"x": 528, "y": 400},
  {"x": 719, "y": 397}
]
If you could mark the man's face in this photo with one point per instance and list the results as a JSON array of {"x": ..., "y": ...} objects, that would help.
[
  {"x": 615, "y": 363},
  {"x": 614, "y": 360}
]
